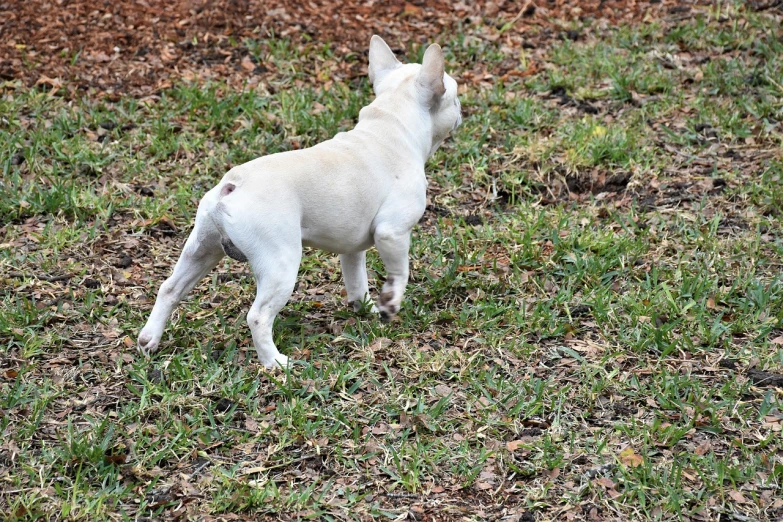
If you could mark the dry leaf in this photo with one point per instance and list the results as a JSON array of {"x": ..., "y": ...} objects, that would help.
[
  {"x": 251, "y": 425},
  {"x": 605, "y": 482},
  {"x": 737, "y": 497},
  {"x": 411, "y": 10},
  {"x": 247, "y": 64},
  {"x": 442, "y": 390},
  {"x": 250, "y": 471},
  {"x": 514, "y": 445},
  {"x": 115, "y": 459},
  {"x": 631, "y": 459},
  {"x": 380, "y": 429}
]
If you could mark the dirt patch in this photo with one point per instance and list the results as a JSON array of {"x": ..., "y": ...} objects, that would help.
[
  {"x": 595, "y": 183},
  {"x": 140, "y": 47},
  {"x": 762, "y": 378}
]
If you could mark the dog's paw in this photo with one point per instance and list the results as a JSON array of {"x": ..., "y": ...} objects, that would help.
[
  {"x": 148, "y": 343},
  {"x": 388, "y": 313},
  {"x": 280, "y": 361},
  {"x": 387, "y": 310}
]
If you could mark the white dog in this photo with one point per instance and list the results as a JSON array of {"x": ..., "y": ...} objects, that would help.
[{"x": 363, "y": 187}]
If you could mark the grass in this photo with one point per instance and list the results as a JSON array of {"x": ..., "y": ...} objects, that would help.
[{"x": 596, "y": 278}]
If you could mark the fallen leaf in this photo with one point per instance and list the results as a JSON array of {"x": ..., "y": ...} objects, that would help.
[
  {"x": 247, "y": 64},
  {"x": 251, "y": 425},
  {"x": 514, "y": 445},
  {"x": 482, "y": 403},
  {"x": 631, "y": 459},
  {"x": 442, "y": 390},
  {"x": 250, "y": 471},
  {"x": 605, "y": 482},
  {"x": 115, "y": 459},
  {"x": 380, "y": 429},
  {"x": 737, "y": 497},
  {"x": 411, "y": 10}
]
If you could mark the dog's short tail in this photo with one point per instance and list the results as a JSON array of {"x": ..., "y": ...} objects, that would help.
[{"x": 218, "y": 213}]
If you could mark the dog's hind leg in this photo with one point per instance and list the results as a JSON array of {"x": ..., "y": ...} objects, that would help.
[
  {"x": 354, "y": 267},
  {"x": 275, "y": 270},
  {"x": 201, "y": 253}
]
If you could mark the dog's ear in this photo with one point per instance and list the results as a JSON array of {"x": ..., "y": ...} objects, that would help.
[
  {"x": 430, "y": 79},
  {"x": 382, "y": 60}
]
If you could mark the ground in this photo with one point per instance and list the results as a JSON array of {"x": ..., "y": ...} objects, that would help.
[{"x": 592, "y": 331}]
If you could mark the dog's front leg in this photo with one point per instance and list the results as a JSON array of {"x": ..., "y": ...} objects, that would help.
[
  {"x": 393, "y": 247},
  {"x": 354, "y": 268}
]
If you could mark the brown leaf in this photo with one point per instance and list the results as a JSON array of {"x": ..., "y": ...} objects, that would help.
[
  {"x": 115, "y": 459},
  {"x": 514, "y": 445},
  {"x": 411, "y": 10},
  {"x": 251, "y": 425},
  {"x": 737, "y": 497},
  {"x": 630, "y": 459},
  {"x": 711, "y": 303},
  {"x": 606, "y": 482},
  {"x": 380, "y": 429},
  {"x": 10, "y": 373},
  {"x": 442, "y": 390},
  {"x": 703, "y": 448},
  {"x": 777, "y": 340},
  {"x": 247, "y": 64},
  {"x": 482, "y": 403}
]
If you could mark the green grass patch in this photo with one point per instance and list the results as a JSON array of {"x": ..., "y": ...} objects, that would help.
[{"x": 596, "y": 287}]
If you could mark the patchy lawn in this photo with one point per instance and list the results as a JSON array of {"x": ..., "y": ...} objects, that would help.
[{"x": 593, "y": 328}]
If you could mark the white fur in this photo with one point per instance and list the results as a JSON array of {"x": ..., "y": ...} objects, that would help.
[{"x": 362, "y": 188}]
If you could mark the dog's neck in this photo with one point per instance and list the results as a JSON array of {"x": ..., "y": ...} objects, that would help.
[{"x": 413, "y": 124}]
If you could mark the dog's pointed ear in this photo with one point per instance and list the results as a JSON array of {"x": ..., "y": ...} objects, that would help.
[
  {"x": 430, "y": 79},
  {"x": 382, "y": 60}
]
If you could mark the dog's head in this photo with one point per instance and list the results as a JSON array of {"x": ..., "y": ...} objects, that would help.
[{"x": 426, "y": 84}]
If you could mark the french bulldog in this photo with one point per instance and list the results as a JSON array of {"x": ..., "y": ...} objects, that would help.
[{"x": 362, "y": 188}]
